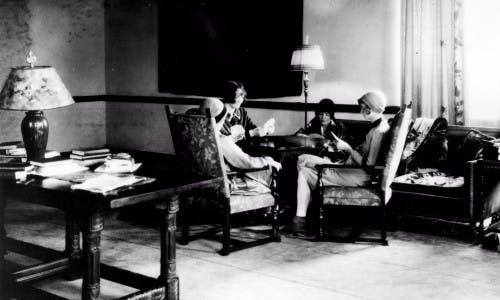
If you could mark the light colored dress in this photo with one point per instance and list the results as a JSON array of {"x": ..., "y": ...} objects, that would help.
[
  {"x": 368, "y": 150},
  {"x": 250, "y": 183}
]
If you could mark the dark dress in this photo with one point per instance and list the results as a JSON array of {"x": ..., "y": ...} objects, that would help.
[
  {"x": 240, "y": 117},
  {"x": 334, "y": 127}
]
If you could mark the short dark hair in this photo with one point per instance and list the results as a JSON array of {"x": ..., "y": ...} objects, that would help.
[
  {"x": 228, "y": 92},
  {"x": 326, "y": 105}
]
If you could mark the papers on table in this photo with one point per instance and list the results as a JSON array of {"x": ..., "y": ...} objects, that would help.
[
  {"x": 104, "y": 183},
  {"x": 56, "y": 167},
  {"x": 118, "y": 163}
]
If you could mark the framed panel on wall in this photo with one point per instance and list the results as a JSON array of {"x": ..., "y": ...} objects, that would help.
[{"x": 203, "y": 43}]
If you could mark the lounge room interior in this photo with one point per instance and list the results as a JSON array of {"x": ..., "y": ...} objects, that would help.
[{"x": 132, "y": 67}]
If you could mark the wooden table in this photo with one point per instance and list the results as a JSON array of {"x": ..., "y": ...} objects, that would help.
[
  {"x": 285, "y": 149},
  {"x": 278, "y": 146},
  {"x": 84, "y": 213}
]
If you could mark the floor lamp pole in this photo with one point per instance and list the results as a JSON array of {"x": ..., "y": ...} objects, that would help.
[{"x": 306, "y": 92}]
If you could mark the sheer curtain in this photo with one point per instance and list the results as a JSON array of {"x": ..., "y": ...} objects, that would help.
[{"x": 428, "y": 57}]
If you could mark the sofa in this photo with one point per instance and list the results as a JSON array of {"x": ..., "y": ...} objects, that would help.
[{"x": 463, "y": 191}]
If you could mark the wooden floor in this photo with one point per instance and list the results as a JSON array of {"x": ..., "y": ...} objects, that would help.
[{"x": 413, "y": 266}]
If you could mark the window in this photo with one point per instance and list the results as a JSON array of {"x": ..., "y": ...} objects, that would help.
[{"x": 481, "y": 56}]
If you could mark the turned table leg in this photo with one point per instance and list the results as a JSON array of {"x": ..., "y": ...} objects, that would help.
[
  {"x": 92, "y": 225},
  {"x": 168, "y": 276},
  {"x": 3, "y": 250},
  {"x": 72, "y": 243}
]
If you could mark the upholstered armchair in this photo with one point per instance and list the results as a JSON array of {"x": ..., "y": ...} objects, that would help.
[
  {"x": 376, "y": 195},
  {"x": 198, "y": 151}
]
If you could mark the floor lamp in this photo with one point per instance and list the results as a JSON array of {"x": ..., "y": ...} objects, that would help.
[
  {"x": 33, "y": 89},
  {"x": 306, "y": 58}
]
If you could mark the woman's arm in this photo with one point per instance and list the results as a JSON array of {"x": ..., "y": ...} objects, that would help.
[{"x": 237, "y": 158}]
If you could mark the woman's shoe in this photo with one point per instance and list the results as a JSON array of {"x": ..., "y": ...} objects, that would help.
[{"x": 298, "y": 225}]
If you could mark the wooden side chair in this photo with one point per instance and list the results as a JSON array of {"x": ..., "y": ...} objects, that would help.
[
  {"x": 198, "y": 150},
  {"x": 376, "y": 194}
]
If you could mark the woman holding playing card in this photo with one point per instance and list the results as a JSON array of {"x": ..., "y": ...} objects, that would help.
[{"x": 372, "y": 106}]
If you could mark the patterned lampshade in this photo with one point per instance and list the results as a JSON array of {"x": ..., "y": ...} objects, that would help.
[
  {"x": 307, "y": 57},
  {"x": 34, "y": 88}
]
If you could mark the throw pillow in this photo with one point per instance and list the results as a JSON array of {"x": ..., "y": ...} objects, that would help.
[
  {"x": 471, "y": 148},
  {"x": 433, "y": 150}
]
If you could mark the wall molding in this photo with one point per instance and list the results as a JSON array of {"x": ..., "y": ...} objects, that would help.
[{"x": 294, "y": 106}]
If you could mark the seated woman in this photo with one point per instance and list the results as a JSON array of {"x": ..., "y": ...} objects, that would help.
[
  {"x": 324, "y": 123},
  {"x": 235, "y": 157},
  {"x": 239, "y": 125},
  {"x": 372, "y": 105}
]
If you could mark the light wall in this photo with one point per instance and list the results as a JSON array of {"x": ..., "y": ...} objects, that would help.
[
  {"x": 68, "y": 35},
  {"x": 360, "y": 40}
]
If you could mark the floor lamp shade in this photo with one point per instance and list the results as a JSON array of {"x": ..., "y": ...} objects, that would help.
[
  {"x": 306, "y": 58},
  {"x": 33, "y": 89}
]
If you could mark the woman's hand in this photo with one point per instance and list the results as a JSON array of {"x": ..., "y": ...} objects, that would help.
[
  {"x": 272, "y": 163},
  {"x": 341, "y": 145}
]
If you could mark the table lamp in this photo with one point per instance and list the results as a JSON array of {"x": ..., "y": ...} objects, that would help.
[
  {"x": 33, "y": 88},
  {"x": 306, "y": 58}
]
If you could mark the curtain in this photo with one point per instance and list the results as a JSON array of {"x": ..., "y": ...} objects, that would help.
[
  {"x": 458, "y": 76},
  {"x": 428, "y": 57}
]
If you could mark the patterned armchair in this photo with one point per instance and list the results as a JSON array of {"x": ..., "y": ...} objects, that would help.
[
  {"x": 375, "y": 195},
  {"x": 198, "y": 150}
]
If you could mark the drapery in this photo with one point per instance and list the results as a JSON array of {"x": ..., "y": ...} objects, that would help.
[{"x": 429, "y": 58}]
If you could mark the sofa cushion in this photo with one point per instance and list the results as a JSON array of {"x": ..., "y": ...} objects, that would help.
[
  {"x": 416, "y": 135},
  {"x": 241, "y": 203},
  {"x": 432, "y": 151},
  {"x": 429, "y": 181},
  {"x": 351, "y": 196},
  {"x": 471, "y": 148}
]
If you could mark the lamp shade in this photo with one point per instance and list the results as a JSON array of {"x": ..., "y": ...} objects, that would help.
[
  {"x": 307, "y": 57},
  {"x": 34, "y": 88}
]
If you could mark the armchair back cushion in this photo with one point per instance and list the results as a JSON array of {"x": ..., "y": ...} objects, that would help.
[
  {"x": 396, "y": 137},
  {"x": 196, "y": 146}
]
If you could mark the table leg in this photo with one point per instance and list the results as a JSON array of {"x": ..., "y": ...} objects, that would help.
[
  {"x": 168, "y": 276},
  {"x": 3, "y": 250},
  {"x": 92, "y": 225},
  {"x": 72, "y": 243}
]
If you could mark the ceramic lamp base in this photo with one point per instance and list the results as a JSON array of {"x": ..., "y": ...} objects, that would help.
[{"x": 35, "y": 130}]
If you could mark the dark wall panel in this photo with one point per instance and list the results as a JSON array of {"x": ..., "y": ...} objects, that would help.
[{"x": 203, "y": 43}]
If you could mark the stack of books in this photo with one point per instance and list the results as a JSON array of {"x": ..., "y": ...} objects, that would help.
[
  {"x": 15, "y": 170},
  {"x": 14, "y": 151},
  {"x": 90, "y": 156},
  {"x": 56, "y": 166}
]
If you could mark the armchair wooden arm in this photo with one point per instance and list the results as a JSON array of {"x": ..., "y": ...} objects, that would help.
[{"x": 236, "y": 171}]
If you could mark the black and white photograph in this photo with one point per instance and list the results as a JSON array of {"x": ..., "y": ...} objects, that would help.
[{"x": 249, "y": 149}]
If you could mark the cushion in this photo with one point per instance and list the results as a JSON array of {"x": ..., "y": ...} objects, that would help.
[
  {"x": 470, "y": 149},
  {"x": 431, "y": 182},
  {"x": 241, "y": 203},
  {"x": 243, "y": 185},
  {"x": 433, "y": 150},
  {"x": 416, "y": 135},
  {"x": 351, "y": 196},
  {"x": 431, "y": 177}
]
